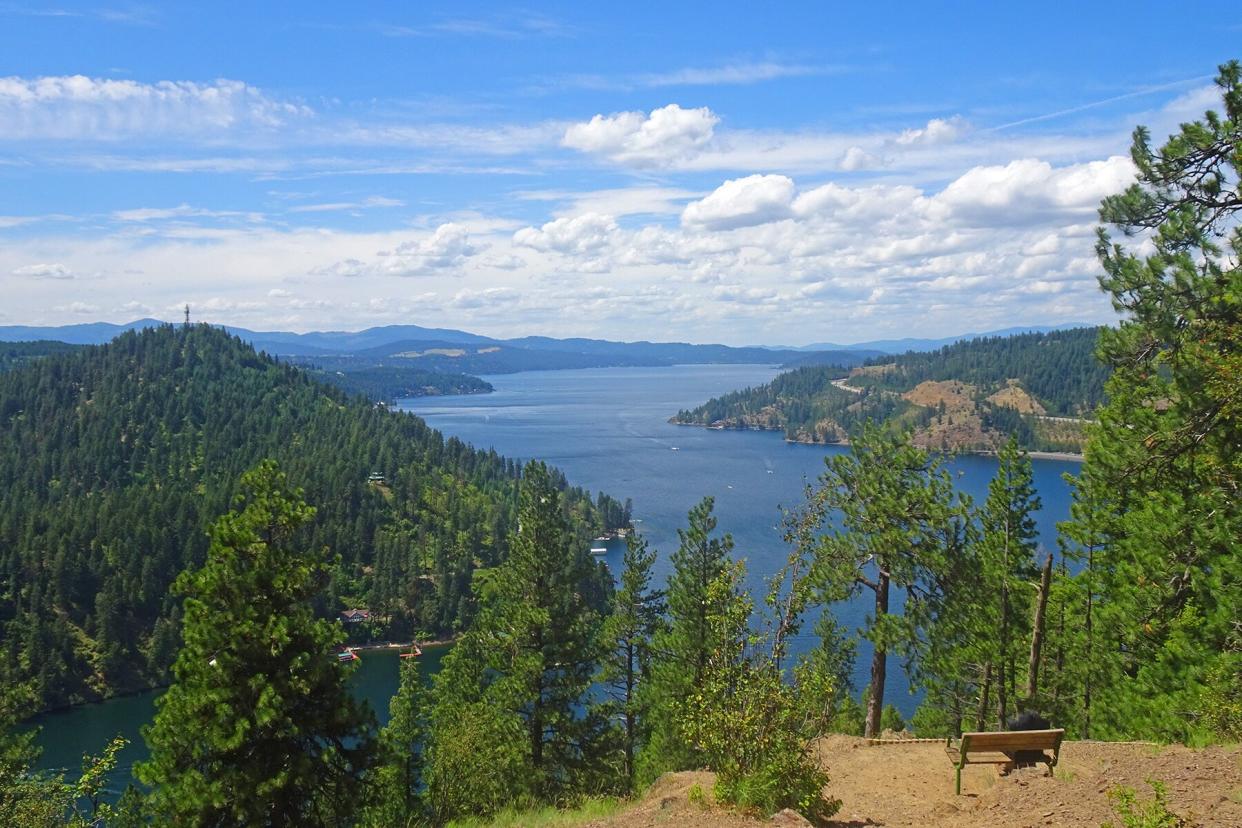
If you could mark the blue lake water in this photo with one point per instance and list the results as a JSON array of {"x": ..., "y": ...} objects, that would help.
[
  {"x": 66, "y": 735},
  {"x": 608, "y": 430}
]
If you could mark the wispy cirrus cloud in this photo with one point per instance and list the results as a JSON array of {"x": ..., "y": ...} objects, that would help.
[
  {"x": 128, "y": 15},
  {"x": 740, "y": 73},
  {"x": 507, "y": 26},
  {"x": 341, "y": 206},
  {"x": 77, "y": 108},
  {"x": 181, "y": 211},
  {"x": 44, "y": 270},
  {"x": 1074, "y": 110}
]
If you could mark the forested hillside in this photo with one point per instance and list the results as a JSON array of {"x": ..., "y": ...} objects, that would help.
[
  {"x": 1037, "y": 387},
  {"x": 386, "y": 383},
  {"x": 16, "y": 354},
  {"x": 1059, "y": 369},
  {"x": 115, "y": 459}
]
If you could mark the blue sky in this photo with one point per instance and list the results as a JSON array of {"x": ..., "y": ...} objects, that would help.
[{"x": 741, "y": 173}]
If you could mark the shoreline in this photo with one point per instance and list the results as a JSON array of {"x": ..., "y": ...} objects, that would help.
[
  {"x": 396, "y": 645},
  {"x": 1034, "y": 455},
  {"x": 138, "y": 691}
]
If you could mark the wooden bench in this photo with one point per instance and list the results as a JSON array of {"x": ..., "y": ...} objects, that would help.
[{"x": 1000, "y": 748}]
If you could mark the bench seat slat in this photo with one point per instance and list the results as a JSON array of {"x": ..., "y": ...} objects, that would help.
[
  {"x": 1014, "y": 740},
  {"x": 995, "y": 758}
]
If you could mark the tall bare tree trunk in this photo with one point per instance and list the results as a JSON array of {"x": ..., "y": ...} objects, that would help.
[
  {"x": 1060, "y": 658},
  {"x": 1037, "y": 631},
  {"x": 1086, "y": 692},
  {"x": 879, "y": 664},
  {"x": 985, "y": 686},
  {"x": 1004, "y": 660},
  {"x": 1002, "y": 683}
]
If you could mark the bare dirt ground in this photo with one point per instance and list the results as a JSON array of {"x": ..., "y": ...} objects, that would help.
[
  {"x": 1015, "y": 396},
  {"x": 912, "y": 785},
  {"x": 956, "y": 396}
]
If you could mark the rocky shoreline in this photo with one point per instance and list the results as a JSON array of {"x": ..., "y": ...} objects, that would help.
[{"x": 1036, "y": 455}]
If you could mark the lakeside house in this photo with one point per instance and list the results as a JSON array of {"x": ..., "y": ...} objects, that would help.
[{"x": 355, "y": 616}]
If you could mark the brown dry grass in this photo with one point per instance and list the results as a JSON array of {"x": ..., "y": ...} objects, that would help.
[
  {"x": 956, "y": 396},
  {"x": 912, "y": 785},
  {"x": 1015, "y": 396}
]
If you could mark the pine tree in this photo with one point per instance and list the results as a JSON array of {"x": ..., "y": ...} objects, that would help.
[
  {"x": 894, "y": 500},
  {"x": 396, "y": 795},
  {"x": 1007, "y": 557},
  {"x": 637, "y": 617},
  {"x": 521, "y": 675},
  {"x": 258, "y": 726},
  {"x": 682, "y": 649},
  {"x": 955, "y": 633},
  {"x": 1163, "y": 473}
]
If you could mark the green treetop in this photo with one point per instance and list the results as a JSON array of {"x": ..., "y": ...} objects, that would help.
[
  {"x": 1163, "y": 471},
  {"x": 895, "y": 501},
  {"x": 1007, "y": 555},
  {"x": 682, "y": 649},
  {"x": 637, "y": 616},
  {"x": 396, "y": 795},
  {"x": 258, "y": 727},
  {"x": 519, "y": 679}
]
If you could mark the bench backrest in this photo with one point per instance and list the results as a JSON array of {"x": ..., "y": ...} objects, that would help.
[{"x": 1013, "y": 740}]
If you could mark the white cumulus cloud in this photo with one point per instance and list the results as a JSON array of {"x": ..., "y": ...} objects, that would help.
[
  {"x": 585, "y": 234},
  {"x": 937, "y": 131},
  {"x": 1027, "y": 188},
  {"x": 448, "y": 247},
  {"x": 663, "y": 137},
  {"x": 857, "y": 158},
  {"x": 488, "y": 297},
  {"x": 742, "y": 202},
  {"x": 445, "y": 250}
]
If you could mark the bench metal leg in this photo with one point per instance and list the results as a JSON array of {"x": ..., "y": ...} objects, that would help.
[{"x": 958, "y": 787}]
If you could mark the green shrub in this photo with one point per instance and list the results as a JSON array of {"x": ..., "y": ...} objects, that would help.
[
  {"x": 754, "y": 728},
  {"x": 1154, "y": 813},
  {"x": 890, "y": 719}
]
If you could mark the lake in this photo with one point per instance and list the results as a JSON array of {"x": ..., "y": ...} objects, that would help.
[{"x": 608, "y": 430}]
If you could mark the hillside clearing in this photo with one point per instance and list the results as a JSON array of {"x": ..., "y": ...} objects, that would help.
[{"x": 912, "y": 785}]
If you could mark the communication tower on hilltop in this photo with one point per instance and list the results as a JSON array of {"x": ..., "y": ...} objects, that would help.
[{"x": 187, "y": 315}]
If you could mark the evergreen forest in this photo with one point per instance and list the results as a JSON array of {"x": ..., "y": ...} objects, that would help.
[
  {"x": 386, "y": 383},
  {"x": 16, "y": 354},
  {"x": 1039, "y": 388},
  {"x": 115, "y": 459}
]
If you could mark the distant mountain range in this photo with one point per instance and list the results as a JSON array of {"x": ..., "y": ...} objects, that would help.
[
  {"x": 282, "y": 343},
  {"x": 448, "y": 350},
  {"x": 287, "y": 343},
  {"x": 901, "y": 346},
  {"x": 395, "y": 361}
]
